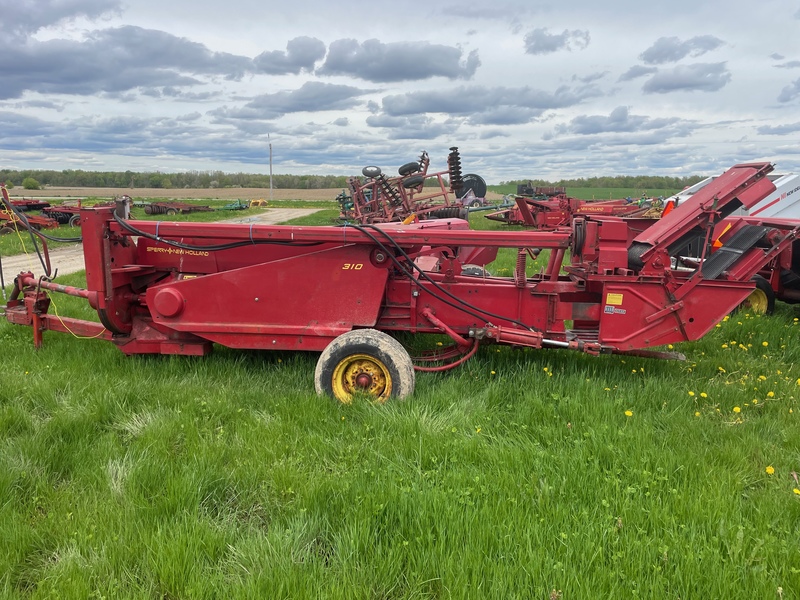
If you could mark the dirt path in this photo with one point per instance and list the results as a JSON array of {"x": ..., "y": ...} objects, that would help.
[{"x": 69, "y": 259}]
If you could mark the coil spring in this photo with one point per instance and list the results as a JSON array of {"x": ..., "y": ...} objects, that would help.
[
  {"x": 520, "y": 278},
  {"x": 388, "y": 190},
  {"x": 454, "y": 168}
]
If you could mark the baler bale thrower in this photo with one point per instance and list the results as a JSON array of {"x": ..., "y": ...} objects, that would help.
[{"x": 168, "y": 288}]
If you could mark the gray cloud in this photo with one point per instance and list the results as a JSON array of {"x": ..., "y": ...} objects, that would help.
[
  {"x": 311, "y": 96},
  {"x": 494, "y": 133},
  {"x": 703, "y": 77},
  {"x": 23, "y": 18},
  {"x": 672, "y": 49},
  {"x": 637, "y": 71},
  {"x": 779, "y": 129},
  {"x": 790, "y": 92},
  {"x": 618, "y": 121},
  {"x": 591, "y": 78},
  {"x": 414, "y": 127},
  {"x": 111, "y": 61},
  {"x": 301, "y": 53},
  {"x": 792, "y": 64},
  {"x": 541, "y": 41},
  {"x": 487, "y": 105},
  {"x": 399, "y": 61}
]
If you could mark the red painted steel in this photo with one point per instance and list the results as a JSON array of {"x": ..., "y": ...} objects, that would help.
[{"x": 179, "y": 288}]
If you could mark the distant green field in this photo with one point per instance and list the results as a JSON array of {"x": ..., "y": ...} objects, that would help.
[{"x": 596, "y": 193}]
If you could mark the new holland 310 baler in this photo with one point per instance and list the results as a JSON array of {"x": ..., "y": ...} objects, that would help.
[{"x": 179, "y": 288}]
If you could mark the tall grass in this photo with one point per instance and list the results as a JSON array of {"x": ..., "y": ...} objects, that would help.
[{"x": 522, "y": 474}]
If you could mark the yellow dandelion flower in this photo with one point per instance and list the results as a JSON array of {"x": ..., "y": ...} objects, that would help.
[
  {"x": 670, "y": 346},
  {"x": 796, "y": 491},
  {"x": 724, "y": 345},
  {"x": 703, "y": 395},
  {"x": 607, "y": 389},
  {"x": 765, "y": 344},
  {"x": 721, "y": 370},
  {"x": 691, "y": 393},
  {"x": 755, "y": 400},
  {"x": 697, "y": 413},
  {"x": 726, "y": 318},
  {"x": 762, "y": 378},
  {"x": 770, "y": 394},
  {"x": 493, "y": 373},
  {"x": 736, "y": 409},
  {"x": 628, "y": 413},
  {"x": 770, "y": 470}
]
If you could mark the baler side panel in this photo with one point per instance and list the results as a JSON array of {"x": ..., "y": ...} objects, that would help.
[{"x": 295, "y": 303}]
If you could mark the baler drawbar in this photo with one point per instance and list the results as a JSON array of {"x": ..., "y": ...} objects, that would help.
[{"x": 179, "y": 288}]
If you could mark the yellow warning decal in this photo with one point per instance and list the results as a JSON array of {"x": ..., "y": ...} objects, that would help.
[{"x": 614, "y": 299}]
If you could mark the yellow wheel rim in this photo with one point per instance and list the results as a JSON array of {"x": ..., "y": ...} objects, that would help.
[
  {"x": 758, "y": 301},
  {"x": 361, "y": 373}
]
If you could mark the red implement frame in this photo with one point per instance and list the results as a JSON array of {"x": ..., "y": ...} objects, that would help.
[{"x": 178, "y": 288}]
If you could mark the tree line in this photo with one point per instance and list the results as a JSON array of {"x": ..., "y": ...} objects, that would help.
[
  {"x": 187, "y": 179},
  {"x": 219, "y": 179},
  {"x": 654, "y": 182}
]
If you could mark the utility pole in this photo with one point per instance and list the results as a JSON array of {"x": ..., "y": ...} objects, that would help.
[{"x": 270, "y": 169}]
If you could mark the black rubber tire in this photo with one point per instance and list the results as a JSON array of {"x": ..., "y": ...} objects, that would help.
[
  {"x": 372, "y": 171},
  {"x": 450, "y": 212},
  {"x": 635, "y": 252},
  {"x": 474, "y": 271},
  {"x": 408, "y": 169},
  {"x": 473, "y": 182},
  {"x": 762, "y": 300},
  {"x": 413, "y": 181},
  {"x": 75, "y": 221},
  {"x": 361, "y": 352},
  {"x": 6, "y": 230},
  {"x": 172, "y": 212},
  {"x": 476, "y": 204},
  {"x": 148, "y": 210}
]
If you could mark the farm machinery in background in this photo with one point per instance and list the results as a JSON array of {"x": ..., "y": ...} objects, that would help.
[
  {"x": 551, "y": 208},
  {"x": 169, "y": 288},
  {"x": 10, "y": 222},
  {"x": 380, "y": 199},
  {"x": 173, "y": 207},
  {"x": 28, "y": 204}
]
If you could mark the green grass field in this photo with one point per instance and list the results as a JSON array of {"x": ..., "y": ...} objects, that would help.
[{"x": 521, "y": 474}]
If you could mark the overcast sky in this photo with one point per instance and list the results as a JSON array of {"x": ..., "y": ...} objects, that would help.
[{"x": 525, "y": 89}]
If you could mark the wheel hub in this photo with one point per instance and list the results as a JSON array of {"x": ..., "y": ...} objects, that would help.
[
  {"x": 362, "y": 373},
  {"x": 363, "y": 381}
]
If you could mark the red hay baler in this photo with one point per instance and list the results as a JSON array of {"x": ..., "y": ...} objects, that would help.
[{"x": 179, "y": 288}]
